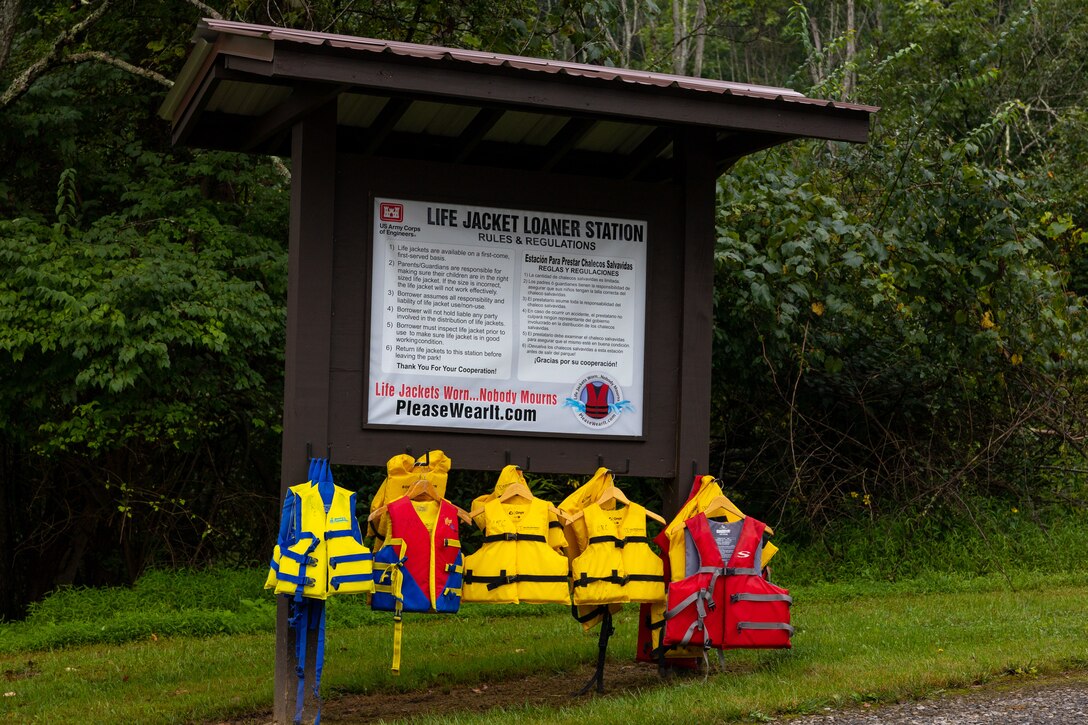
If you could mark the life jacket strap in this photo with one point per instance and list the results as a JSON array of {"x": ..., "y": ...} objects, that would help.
[
  {"x": 502, "y": 579},
  {"x": 491, "y": 538},
  {"x": 554, "y": 525},
  {"x": 646, "y": 578},
  {"x": 300, "y": 558},
  {"x": 338, "y": 534},
  {"x": 300, "y": 581},
  {"x": 336, "y": 581},
  {"x": 349, "y": 558},
  {"x": 683, "y": 604},
  {"x": 397, "y": 626},
  {"x": 745, "y": 597},
  {"x": 731, "y": 571},
  {"x": 765, "y": 625},
  {"x": 613, "y": 578},
  {"x": 618, "y": 541},
  {"x": 454, "y": 543},
  {"x": 454, "y": 568}
]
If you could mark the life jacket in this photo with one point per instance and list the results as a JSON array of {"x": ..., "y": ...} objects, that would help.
[
  {"x": 517, "y": 562},
  {"x": 617, "y": 564},
  {"x": 512, "y": 474},
  {"x": 320, "y": 551},
  {"x": 725, "y": 602},
  {"x": 588, "y": 615},
  {"x": 597, "y": 400},
  {"x": 419, "y": 567},
  {"x": 401, "y": 472},
  {"x": 674, "y": 551}
]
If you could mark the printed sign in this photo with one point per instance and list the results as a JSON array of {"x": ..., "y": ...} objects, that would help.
[{"x": 506, "y": 320}]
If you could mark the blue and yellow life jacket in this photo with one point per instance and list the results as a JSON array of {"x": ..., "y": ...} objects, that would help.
[{"x": 320, "y": 550}]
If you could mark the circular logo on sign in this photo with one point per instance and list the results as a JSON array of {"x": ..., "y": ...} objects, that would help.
[{"x": 597, "y": 401}]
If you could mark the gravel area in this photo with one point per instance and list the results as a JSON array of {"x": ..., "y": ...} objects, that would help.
[{"x": 1058, "y": 700}]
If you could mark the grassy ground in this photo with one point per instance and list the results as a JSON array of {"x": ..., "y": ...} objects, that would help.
[{"x": 854, "y": 642}]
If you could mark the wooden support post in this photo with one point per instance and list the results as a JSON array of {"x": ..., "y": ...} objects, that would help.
[
  {"x": 696, "y": 177},
  {"x": 309, "y": 319}
]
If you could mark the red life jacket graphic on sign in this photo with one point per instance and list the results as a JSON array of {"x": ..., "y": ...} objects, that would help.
[{"x": 597, "y": 400}]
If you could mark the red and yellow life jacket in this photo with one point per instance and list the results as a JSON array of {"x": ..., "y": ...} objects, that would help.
[
  {"x": 705, "y": 490},
  {"x": 419, "y": 567}
]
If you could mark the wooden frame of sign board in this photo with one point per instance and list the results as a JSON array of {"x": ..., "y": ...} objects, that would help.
[{"x": 678, "y": 316}]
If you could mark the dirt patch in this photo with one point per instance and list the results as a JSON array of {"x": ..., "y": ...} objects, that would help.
[{"x": 551, "y": 690}]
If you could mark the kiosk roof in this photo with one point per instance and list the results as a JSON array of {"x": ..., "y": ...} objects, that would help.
[{"x": 244, "y": 87}]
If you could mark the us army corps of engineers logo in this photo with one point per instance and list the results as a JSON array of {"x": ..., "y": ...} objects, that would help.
[{"x": 597, "y": 401}]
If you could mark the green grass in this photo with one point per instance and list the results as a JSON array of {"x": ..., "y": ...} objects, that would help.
[{"x": 854, "y": 642}]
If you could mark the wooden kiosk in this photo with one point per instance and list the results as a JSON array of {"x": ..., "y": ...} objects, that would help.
[{"x": 587, "y": 195}]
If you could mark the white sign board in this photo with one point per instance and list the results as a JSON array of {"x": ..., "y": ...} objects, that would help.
[{"x": 506, "y": 320}]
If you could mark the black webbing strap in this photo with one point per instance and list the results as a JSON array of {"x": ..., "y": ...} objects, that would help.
[
  {"x": 514, "y": 537},
  {"x": 614, "y": 578},
  {"x": 602, "y": 649},
  {"x": 646, "y": 578},
  {"x": 598, "y": 611},
  {"x": 620, "y": 543},
  {"x": 502, "y": 579}
]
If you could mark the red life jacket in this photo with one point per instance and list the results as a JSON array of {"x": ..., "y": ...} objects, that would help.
[
  {"x": 597, "y": 400},
  {"x": 419, "y": 568},
  {"x": 727, "y": 605}
]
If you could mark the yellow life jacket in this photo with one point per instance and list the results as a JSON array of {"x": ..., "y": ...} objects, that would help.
[
  {"x": 588, "y": 492},
  {"x": 577, "y": 539},
  {"x": 401, "y": 472},
  {"x": 320, "y": 553},
  {"x": 616, "y": 564},
  {"x": 509, "y": 475},
  {"x": 516, "y": 562}
]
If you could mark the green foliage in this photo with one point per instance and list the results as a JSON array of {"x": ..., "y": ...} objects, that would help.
[
  {"x": 902, "y": 319},
  {"x": 165, "y": 306}
]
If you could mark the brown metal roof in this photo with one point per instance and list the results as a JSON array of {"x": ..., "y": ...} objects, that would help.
[{"x": 244, "y": 86}]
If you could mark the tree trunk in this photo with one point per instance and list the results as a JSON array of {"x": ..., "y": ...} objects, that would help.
[
  {"x": 849, "y": 75},
  {"x": 679, "y": 37},
  {"x": 700, "y": 37},
  {"x": 9, "y": 18}
]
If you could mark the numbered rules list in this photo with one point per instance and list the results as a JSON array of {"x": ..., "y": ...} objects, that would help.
[{"x": 506, "y": 320}]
